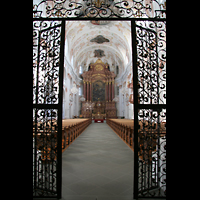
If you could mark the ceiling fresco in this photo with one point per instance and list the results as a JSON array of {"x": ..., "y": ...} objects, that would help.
[
  {"x": 86, "y": 41},
  {"x": 99, "y": 53},
  {"x": 100, "y": 39}
]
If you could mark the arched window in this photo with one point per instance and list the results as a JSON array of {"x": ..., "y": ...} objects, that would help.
[
  {"x": 80, "y": 69},
  {"x": 80, "y": 91},
  {"x": 117, "y": 69}
]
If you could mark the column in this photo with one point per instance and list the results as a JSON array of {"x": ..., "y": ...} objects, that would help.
[
  {"x": 110, "y": 90},
  {"x": 88, "y": 90},
  {"x": 84, "y": 89},
  {"x": 106, "y": 90},
  {"x": 113, "y": 89}
]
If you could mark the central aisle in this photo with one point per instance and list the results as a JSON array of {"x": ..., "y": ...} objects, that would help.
[{"x": 98, "y": 165}]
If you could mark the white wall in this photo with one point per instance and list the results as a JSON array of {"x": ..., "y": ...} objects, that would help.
[
  {"x": 66, "y": 95},
  {"x": 70, "y": 108}
]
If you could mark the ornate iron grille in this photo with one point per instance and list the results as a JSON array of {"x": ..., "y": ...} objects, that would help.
[
  {"x": 152, "y": 153},
  {"x": 149, "y": 80},
  {"x": 99, "y": 9},
  {"x": 48, "y": 49},
  {"x": 45, "y": 131},
  {"x": 150, "y": 120},
  {"x": 151, "y": 62}
]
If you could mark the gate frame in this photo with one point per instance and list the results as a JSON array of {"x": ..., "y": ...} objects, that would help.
[
  {"x": 137, "y": 106},
  {"x": 57, "y": 106}
]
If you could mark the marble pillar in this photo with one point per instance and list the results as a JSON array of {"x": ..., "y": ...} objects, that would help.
[
  {"x": 113, "y": 89},
  {"x": 107, "y": 90},
  {"x": 84, "y": 89},
  {"x": 110, "y": 91},
  {"x": 88, "y": 91}
]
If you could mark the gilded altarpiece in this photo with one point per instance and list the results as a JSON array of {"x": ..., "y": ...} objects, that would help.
[{"x": 98, "y": 90}]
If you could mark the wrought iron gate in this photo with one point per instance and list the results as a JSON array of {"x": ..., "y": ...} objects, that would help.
[
  {"x": 150, "y": 118},
  {"x": 149, "y": 81},
  {"x": 48, "y": 58}
]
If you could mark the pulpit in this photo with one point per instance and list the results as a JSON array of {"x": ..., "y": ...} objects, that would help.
[{"x": 98, "y": 90}]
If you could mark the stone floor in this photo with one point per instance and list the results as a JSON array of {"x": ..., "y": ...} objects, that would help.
[{"x": 98, "y": 165}]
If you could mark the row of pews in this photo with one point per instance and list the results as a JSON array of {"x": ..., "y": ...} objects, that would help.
[
  {"x": 124, "y": 129},
  {"x": 45, "y": 136},
  {"x": 72, "y": 128},
  {"x": 150, "y": 135}
]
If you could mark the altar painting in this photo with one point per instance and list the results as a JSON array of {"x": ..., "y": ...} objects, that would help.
[{"x": 98, "y": 91}]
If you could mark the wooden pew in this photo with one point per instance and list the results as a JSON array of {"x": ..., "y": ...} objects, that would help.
[
  {"x": 47, "y": 135},
  {"x": 71, "y": 129},
  {"x": 123, "y": 128},
  {"x": 148, "y": 136},
  {"x": 148, "y": 133}
]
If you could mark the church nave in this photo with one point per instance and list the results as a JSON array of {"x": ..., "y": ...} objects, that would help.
[{"x": 98, "y": 165}]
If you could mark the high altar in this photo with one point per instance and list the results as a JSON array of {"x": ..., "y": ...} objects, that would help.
[{"x": 98, "y": 90}]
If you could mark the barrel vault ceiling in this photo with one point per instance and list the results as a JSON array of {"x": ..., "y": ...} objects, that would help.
[{"x": 86, "y": 41}]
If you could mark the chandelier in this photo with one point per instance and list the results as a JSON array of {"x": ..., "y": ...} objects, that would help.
[
  {"x": 116, "y": 99},
  {"x": 74, "y": 90},
  {"x": 124, "y": 91},
  {"x": 82, "y": 98},
  {"x": 88, "y": 106}
]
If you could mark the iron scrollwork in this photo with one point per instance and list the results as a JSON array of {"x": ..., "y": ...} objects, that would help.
[
  {"x": 99, "y": 9},
  {"x": 46, "y": 77},
  {"x": 46, "y": 58},
  {"x": 45, "y": 129},
  {"x": 151, "y": 66},
  {"x": 151, "y": 61},
  {"x": 152, "y": 153}
]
